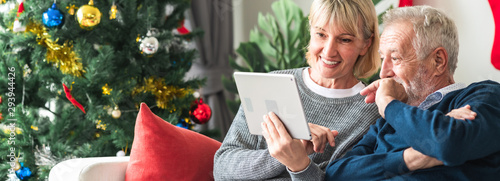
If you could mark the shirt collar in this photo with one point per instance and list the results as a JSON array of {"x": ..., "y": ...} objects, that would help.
[
  {"x": 330, "y": 93},
  {"x": 437, "y": 96}
]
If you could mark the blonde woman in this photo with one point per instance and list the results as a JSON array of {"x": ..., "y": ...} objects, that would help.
[{"x": 343, "y": 48}]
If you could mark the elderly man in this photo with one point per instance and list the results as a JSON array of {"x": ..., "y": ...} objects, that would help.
[{"x": 415, "y": 138}]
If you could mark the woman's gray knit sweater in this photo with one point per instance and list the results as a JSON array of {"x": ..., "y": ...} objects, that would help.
[{"x": 243, "y": 156}]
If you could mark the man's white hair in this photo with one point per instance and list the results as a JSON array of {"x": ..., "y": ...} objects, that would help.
[{"x": 432, "y": 28}]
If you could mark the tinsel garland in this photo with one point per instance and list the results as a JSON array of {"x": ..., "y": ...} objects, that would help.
[
  {"x": 163, "y": 93},
  {"x": 62, "y": 56}
]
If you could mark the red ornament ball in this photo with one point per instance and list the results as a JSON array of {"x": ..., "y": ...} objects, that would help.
[{"x": 200, "y": 112}]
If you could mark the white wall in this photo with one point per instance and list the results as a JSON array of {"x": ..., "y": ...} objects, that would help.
[{"x": 474, "y": 20}]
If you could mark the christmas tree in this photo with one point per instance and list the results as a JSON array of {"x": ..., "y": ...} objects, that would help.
[{"x": 73, "y": 73}]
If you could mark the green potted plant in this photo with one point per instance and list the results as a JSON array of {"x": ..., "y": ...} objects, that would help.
[{"x": 278, "y": 43}]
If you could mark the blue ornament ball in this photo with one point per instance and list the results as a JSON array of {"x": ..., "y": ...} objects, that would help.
[
  {"x": 53, "y": 17},
  {"x": 23, "y": 173},
  {"x": 183, "y": 125}
]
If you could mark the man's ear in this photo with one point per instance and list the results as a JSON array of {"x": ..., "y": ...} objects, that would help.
[{"x": 440, "y": 58}]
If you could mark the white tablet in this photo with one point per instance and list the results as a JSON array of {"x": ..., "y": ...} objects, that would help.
[{"x": 261, "y": 93}]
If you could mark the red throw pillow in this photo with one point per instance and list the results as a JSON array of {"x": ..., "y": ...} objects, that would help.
[{"x": 162, "y": 151}]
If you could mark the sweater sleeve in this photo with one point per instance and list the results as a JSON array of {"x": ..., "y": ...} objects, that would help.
[
  {"x": 312, "y": 172},
  {"x": 361, "y": 163},
  {"x": 241, "y": 158},
  {"x": 451, "y": 140}
]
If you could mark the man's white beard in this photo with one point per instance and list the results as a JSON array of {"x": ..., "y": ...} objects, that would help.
[{"x": 418, "y": 89}]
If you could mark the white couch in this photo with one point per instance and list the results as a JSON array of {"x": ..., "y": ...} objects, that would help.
[{"x": 90, "y": 169}]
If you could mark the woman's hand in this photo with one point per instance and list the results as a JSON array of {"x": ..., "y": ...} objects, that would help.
[
  {"x": 463, "y": 113},
  {"x": 290, "y": 152},
  {"x": 293, "y": 153},
  {"x": 320, "y": 137}
]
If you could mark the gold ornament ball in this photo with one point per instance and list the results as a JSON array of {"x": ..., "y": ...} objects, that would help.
[
  {"x": 88, "y": 17},
  {"x": 116, "y": 113},
  {"x": 18, "y": 166}
]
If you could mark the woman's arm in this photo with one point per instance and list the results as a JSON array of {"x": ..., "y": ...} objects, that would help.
[{"x": 243, "y": 156}]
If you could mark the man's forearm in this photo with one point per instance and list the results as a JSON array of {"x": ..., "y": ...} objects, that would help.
[
  {"x": 441, "y": 136},
  {"x": 380, "y": 166},
  {"x": 415, "y": 160}
]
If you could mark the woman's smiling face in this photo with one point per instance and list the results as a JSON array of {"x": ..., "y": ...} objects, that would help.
[{"x": 333, "y": 52}]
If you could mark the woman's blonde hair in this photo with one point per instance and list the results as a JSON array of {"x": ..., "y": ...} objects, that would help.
[{"x": 349, "y": 15}]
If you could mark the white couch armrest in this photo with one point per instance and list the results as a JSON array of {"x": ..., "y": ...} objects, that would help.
[{"x": 90, "y": 169}]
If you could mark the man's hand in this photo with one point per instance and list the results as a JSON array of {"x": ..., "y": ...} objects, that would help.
[
  {"x": 415, "y": 160},
  {"x": 463, "y": 113},
  {"x": 293, "y": 153},
  {"x": 382, "y": 92}
]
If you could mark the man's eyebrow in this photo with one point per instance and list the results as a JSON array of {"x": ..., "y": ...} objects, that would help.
[
  {"x": 390, "y": 50},
  {"x": 393, "y": 50}
]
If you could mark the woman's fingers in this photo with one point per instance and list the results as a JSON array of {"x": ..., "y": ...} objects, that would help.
[
  {"x": 463, "y": 113},
  {"x": 274, "y": 129},
  {"x": 321, "y": 136},
  {"x": 265, "y": 129},
  {"x": 290, "y": 152},
  {"x": 271, "y": 128},
  {"x": 335, "y": 133},
  {"x": 279, "y": 126},
  {"x": 275, "y": 132}
]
